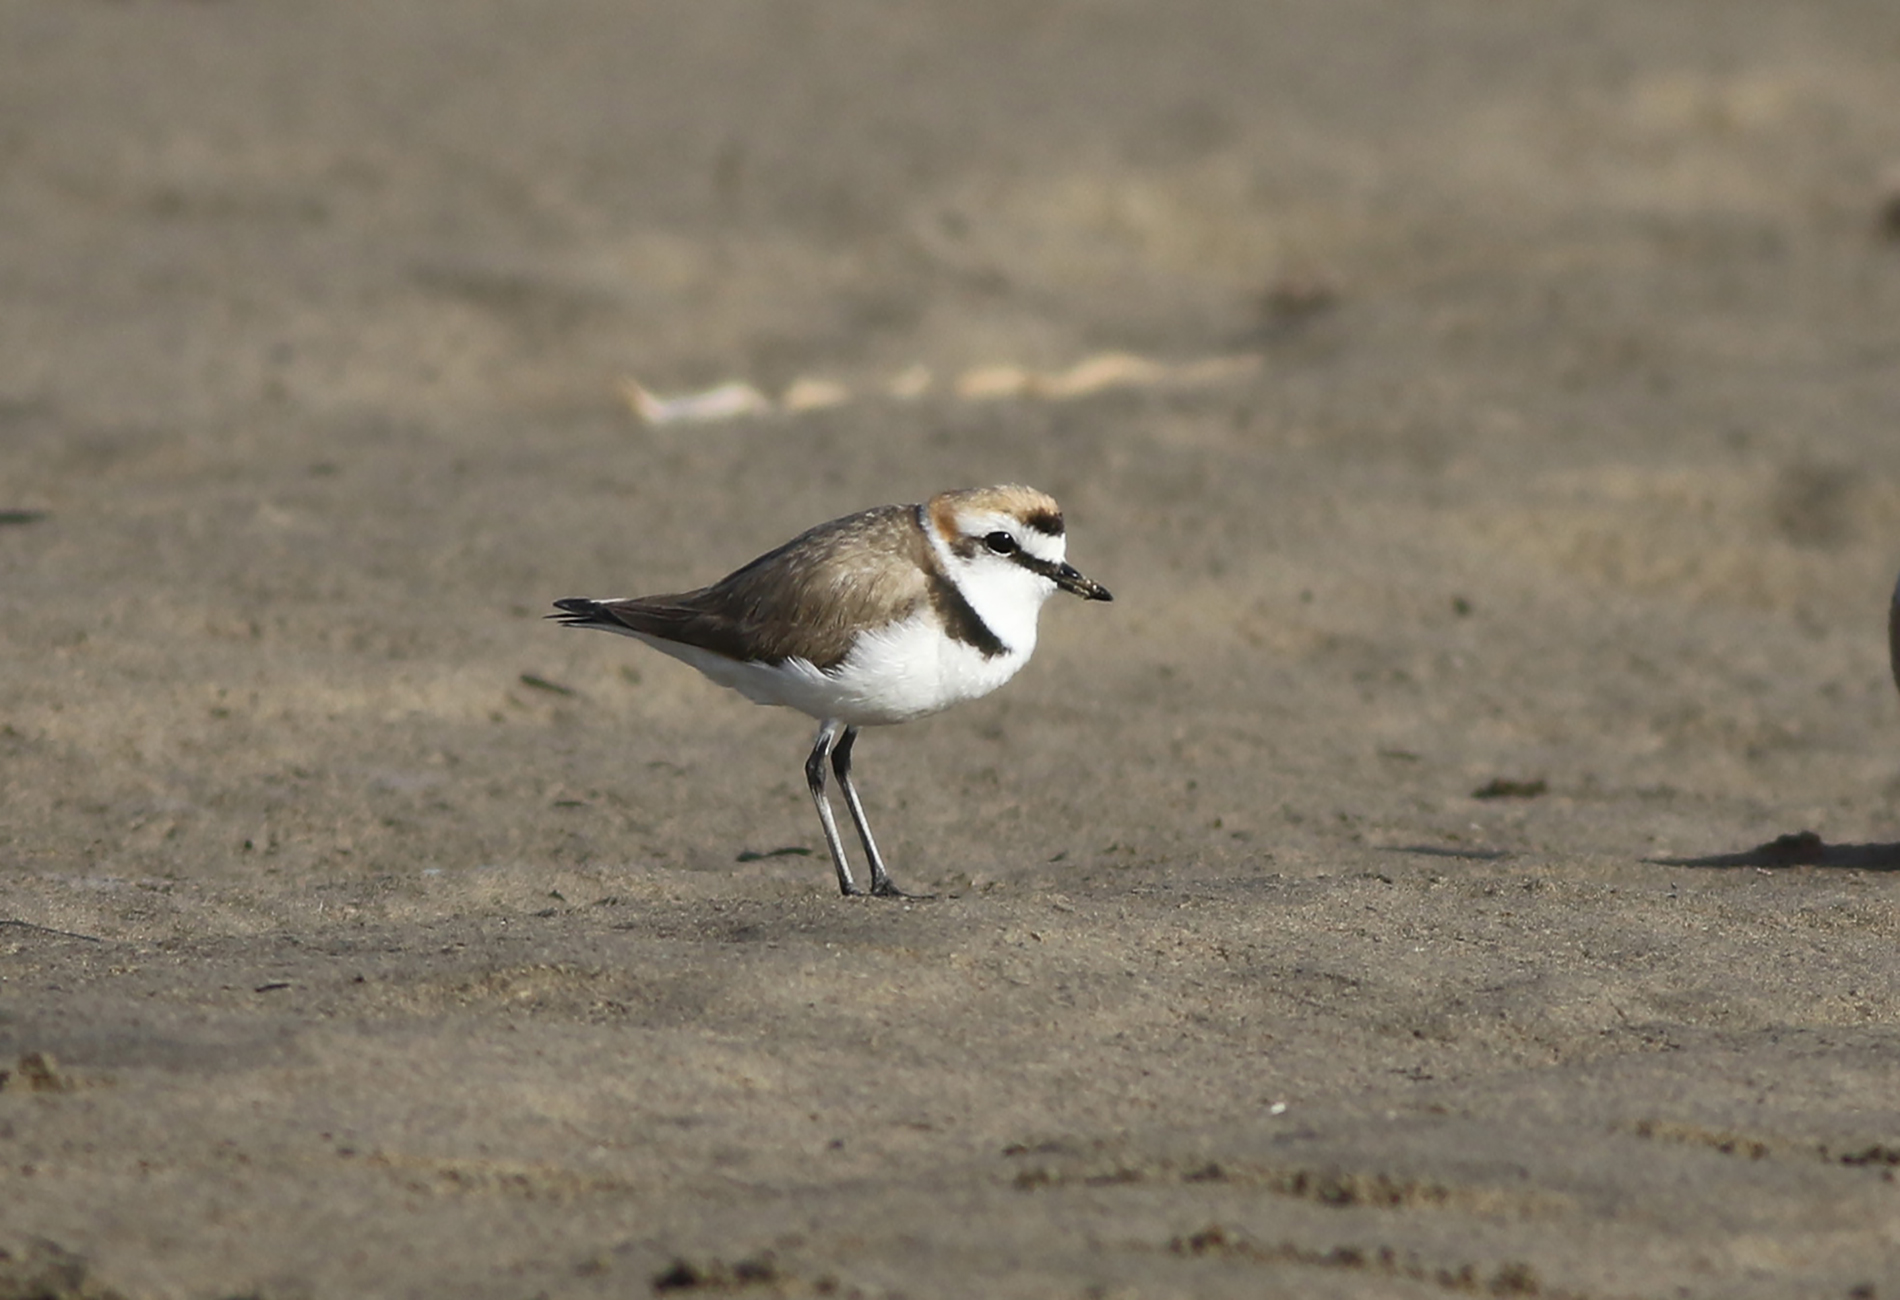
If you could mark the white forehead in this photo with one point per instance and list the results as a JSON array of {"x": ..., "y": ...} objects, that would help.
[{"x": 981, "y": 523}]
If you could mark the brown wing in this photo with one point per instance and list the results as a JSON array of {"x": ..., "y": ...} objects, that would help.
[{"x": 807, "y": 599}]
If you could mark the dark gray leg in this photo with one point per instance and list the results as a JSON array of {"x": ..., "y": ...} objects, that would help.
[
  {"x": 821, "y": 750},
  {"x": 841, "y": 764}
]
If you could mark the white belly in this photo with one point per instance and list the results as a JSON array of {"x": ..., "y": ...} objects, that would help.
[{"x": 897, "y": 673}]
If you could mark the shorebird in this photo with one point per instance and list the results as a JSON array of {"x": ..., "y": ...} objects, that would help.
[{"x": 880, "y": 617}]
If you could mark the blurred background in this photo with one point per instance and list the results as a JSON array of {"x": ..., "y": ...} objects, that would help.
[
  {"x": 1458, "y": 397},
  {"x": 1567, "y": 444}
]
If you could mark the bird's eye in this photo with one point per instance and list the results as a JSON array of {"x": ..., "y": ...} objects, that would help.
[{"x": 1000, "y": 543}]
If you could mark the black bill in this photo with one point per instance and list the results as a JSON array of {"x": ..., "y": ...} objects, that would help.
[
  {"x": 1065, "y": 576},
  {"x": 1071, "y": 580}
]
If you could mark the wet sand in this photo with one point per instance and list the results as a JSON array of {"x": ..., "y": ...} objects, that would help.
[{"x": 366, "y": 935}]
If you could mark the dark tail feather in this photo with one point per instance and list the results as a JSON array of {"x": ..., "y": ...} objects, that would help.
[
  {"x": 649, "y": 617},
  {"x": 577, "y": 611}
]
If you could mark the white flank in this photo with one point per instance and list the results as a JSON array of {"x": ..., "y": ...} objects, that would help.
[{"x": 896, "y": 673}]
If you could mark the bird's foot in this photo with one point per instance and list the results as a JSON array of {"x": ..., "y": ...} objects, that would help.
[{"x": 881, "y": 887}]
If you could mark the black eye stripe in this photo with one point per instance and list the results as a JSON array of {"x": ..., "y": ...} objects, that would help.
[{"x": 1036, "y": 564}]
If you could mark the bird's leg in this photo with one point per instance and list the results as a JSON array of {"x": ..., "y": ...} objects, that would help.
[
  {"x": 841, "y": 764},
  {"x": 821, "y": 750}
]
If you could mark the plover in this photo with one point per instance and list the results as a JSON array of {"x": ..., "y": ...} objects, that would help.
[{"x": 880, "y": 617}]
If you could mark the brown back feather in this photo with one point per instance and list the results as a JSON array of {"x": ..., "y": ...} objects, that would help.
[{"x": 797, "y": 600}]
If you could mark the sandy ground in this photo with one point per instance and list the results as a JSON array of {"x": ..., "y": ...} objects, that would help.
[{"x": 380, "y": 939}]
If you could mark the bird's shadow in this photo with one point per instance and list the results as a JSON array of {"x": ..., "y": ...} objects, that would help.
[{"x": 1799, "y": 849}]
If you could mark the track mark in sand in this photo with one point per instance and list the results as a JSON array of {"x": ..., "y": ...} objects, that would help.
[
  {"x": 1505, "y": 1279},
  {"x": 564, "y": 990},
  {"x": 1799, "y": 849},
  {"x": 1729, "y": 1144},
  {"x": 430, "y": 1176},
  {"x": 1326, "y": 1186},
  {"x": 38, "y": 1072},
  {"x": 15, "y": 923},
  {"x": 46, "y": 1268},
  {"x": 1503, "y": 787},
  {"x": 1882, "y": 1156},
  {"x": 1879, "y": 1156},
  {"x": 717, "y": 1275}
]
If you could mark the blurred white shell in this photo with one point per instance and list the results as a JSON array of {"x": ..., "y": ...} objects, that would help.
[{"x": 736, "y": 398}]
